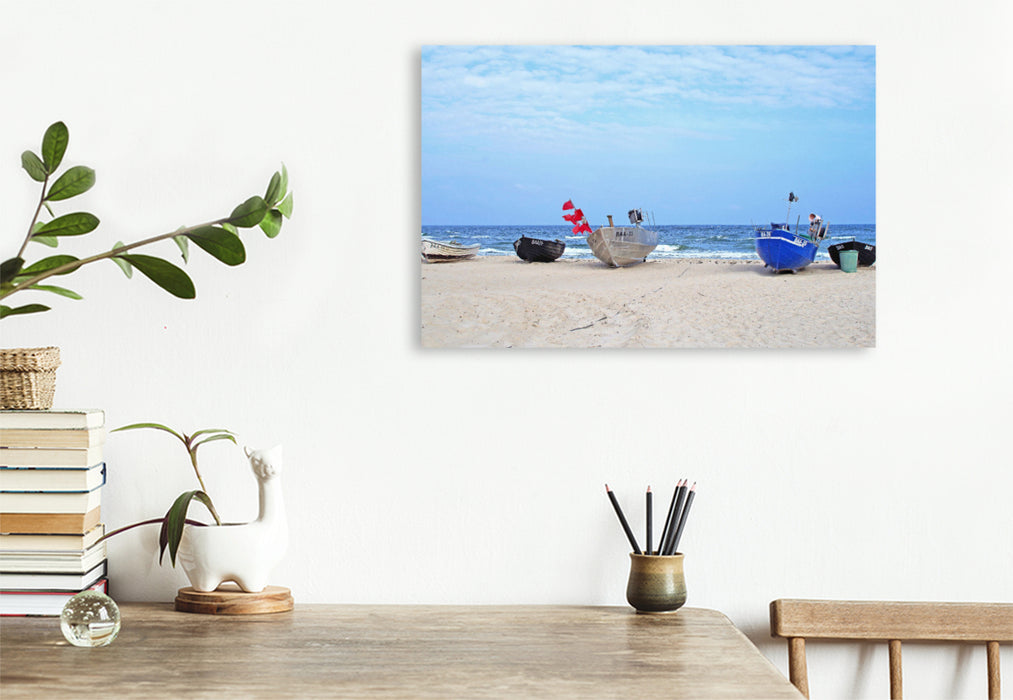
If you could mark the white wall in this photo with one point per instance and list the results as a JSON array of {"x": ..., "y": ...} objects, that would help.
[{"x": 882, "y": 474}]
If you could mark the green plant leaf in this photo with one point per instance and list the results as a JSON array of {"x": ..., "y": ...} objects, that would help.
[
  {"x": 127, "y": 268},
  {"x": 175, "y": 519},
  {"x": 230, "y": 228},
  {"x": 164, "y": 274},
  {"x": 62, "y": 291},
  {"x": 75, "y": 181},
  {"x": 274, "y": 191},
  {"x": 6, "y": 311},
  {"x": 271, "y": 225},
  {"x": 152, "y": 426},
  {"x": 184, "y": 247},
  {"x": 47, "y": 264},
  {"x": 249, "y": 213},
  {"x": 54, "y": 145},
  {"x": 212, "y": 438},
  {"x": 284, "y": 180},
  {"x": 286, "y": 206},
  {"x": 69, "y": 225},
  {"x": 9, "y": 269},
  {"x": 206, "y": 431},
  {"x": 33, "y": 166},
  {"x": 219, "y": 243},
  {"x": 51, "y": 241}
]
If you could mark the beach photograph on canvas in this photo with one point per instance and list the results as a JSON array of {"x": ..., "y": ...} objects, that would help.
[{"x": 648, "y": 196}]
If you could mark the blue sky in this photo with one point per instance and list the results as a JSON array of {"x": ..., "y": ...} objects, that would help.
[{"x": 694, "y": 134}]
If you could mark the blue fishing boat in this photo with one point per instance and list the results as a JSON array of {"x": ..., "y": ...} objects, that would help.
[{"x": 781, "y": 250}]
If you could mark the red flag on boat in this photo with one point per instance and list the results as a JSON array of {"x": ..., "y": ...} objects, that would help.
[{"x": 576, "y": 217}]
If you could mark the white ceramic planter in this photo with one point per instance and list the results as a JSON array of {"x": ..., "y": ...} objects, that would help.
[{"x": 245, "y": 553}]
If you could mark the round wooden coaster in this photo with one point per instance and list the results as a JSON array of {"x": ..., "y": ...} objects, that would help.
[{"x": 230, "y": 599}]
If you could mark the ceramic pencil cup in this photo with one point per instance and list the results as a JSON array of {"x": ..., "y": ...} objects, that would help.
[{"x": 656, "y": 584}]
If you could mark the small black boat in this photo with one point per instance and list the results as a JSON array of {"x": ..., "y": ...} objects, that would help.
[
  {"x": 538, "y": 250},
  {"x": 866, "y": 252}
]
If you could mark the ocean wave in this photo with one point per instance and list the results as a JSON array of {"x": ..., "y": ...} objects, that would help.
[{"x": 731, "y": 242}]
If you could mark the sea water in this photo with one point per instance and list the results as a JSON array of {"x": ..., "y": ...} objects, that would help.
[{"x": 732, "y": 242}]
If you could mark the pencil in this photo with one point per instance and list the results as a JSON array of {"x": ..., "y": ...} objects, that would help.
[
  {"x": 668, "y": 520},
  {"x": 622, "y": 520},
  {"x": 683, "y": 518},
  {"x": 669, "y": 547},
  {"x": 650, "y": 517}
]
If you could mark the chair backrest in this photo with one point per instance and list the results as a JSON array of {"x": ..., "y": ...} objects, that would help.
[{"x": 891, "y": 622}]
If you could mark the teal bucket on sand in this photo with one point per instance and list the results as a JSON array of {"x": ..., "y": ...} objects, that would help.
[{"x": 849, "y": 260}]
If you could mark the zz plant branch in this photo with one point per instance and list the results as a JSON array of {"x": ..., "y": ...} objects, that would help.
[{"x": 219, "y": 237}]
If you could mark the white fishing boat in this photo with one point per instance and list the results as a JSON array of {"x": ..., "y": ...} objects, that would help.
[
  {"x": 619, "y": 246},
  {"x": 446, "y": 251}
]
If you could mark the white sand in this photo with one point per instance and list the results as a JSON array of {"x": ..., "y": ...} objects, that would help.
[{"x": 504, "y": 302}]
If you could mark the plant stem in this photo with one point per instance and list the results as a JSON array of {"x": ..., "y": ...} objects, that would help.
[
  {"x": 144, "y": 522},
  {"x": 214, "y": 513},
  {"x": 31, "y": 226},
  {"x": 103, "y": 256},
  {"x": 192, "y": 451},
  {"x": 193, "y": 461}
]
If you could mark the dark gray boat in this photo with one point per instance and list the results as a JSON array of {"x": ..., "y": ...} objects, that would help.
[
  {"x": 538, "y": 250},
  {"x": 866, "y": 252}
]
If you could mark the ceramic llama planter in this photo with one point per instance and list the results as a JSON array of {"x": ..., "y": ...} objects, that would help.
[{"x": 245, "y": 553}]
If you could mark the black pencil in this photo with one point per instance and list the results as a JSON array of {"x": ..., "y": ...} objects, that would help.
[
  {"x": 650, "y": 517},
  {"x": 683, "y": 518},
  {"x": 622, "y": 520},
  {"x": 669, "y": 546},
  {"x": 668, "y": 520}
]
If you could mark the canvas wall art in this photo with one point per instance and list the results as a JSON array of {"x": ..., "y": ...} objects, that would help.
[{"x": 648, "y": 197}]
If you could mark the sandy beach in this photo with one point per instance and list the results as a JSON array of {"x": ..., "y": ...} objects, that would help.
[{"x": 501, "y": 301}]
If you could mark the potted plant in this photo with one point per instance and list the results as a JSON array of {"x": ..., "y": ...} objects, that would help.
[
  {"x": 211, "y": 554},
  {"x": 27, "y": 375}
]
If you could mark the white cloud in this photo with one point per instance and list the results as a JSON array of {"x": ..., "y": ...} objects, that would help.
[
  {"x": 545, "y": 93},
  {"x": 571, "y": 74}
]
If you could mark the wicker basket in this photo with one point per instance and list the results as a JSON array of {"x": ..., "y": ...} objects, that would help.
[{"x": 28, "y": 377}]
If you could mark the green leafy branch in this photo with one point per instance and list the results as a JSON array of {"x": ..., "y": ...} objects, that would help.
[
  {"x": 219, "y": 237},
  {"x": 175, "y": 518}
]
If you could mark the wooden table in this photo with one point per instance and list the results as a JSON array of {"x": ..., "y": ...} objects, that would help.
[{"x": 394, "y": 651}]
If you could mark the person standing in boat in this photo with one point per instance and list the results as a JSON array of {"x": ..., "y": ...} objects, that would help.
[{"x": 815, "y": 225}]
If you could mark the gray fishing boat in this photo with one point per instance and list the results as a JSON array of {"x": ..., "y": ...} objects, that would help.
[
  {"x": 619, "y": 246},
  {"x": 446, "y": 251}
]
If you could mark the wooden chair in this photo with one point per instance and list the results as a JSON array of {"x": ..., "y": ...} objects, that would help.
[{"x": 799, "y": 620}]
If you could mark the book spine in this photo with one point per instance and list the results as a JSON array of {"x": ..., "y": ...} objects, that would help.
[{"x": 50, "y": 485}]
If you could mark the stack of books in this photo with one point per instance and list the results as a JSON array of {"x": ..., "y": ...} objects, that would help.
[{"x": 51, "y": 478}]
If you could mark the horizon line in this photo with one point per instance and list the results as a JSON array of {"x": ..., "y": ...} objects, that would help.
[{"x": 860, "y": 223}]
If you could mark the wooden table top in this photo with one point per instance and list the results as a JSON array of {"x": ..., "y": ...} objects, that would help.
[{"x": 394, "y": 651}]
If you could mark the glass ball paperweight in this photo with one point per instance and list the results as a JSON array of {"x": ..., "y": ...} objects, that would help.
[{"x": 90, "y": 619}]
